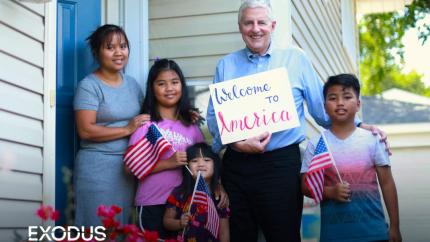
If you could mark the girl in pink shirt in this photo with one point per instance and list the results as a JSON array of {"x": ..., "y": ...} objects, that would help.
[{"x": 167, "y": 102}]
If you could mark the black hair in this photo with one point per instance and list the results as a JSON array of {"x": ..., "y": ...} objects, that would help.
[
  {"x": 197, "y": 150},
  {"x": 344, "y": 80},
  {"x": 102, "y": 35},
  {"x": 184, "y": 107}
]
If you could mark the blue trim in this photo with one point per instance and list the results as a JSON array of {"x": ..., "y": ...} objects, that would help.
[{"x": 76, "y": 20}]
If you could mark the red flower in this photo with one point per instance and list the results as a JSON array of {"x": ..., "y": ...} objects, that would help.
[
  {"x": 172, "y": 200},
  {"x": 195, "y": 223},
  {"x": 150, "y": 236},
  {"x": 201, "y": 209},
  {"x": 179, "y": 238},
  {"x": 105, "y": 211},
  {"x": 101, "y": 210},
  {"x": 47, "y": 212},
  {"x": 55, "y": 215},
  {"x": 116, "y": 209},
  {"x": 41, "y": 213},
  {"x": 113, "y": 235},
  {"x": 134, "y": 238},
  {"x": 130, "y": 229},
  {"x": 110, "y": 223}
]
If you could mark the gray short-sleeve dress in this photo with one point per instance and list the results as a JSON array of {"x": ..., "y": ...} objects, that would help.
[{"x": 99, "y": 174}]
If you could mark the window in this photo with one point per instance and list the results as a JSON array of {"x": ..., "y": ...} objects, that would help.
[{"x": 199, "y": 94}]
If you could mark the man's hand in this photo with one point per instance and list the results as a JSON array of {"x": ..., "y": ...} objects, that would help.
[
  {"x": 221, "y": 195},
  {"x": 196, "y": 118},
  {"x": 376, "y": 131},
  {"x": 253, "y": 145}
]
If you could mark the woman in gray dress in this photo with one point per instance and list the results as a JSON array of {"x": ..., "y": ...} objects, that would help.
[{"x": 107, "y": 105}]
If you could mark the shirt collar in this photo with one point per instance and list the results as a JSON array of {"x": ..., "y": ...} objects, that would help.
[{"x": 251, "y": 55}]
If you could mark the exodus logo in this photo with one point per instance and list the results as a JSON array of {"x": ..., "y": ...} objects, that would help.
[{"x": 69, "y": 233}]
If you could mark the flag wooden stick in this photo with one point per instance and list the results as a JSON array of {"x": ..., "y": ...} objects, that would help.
[
  {"x": 191, "y": 173},
  {"x": 331, "y": 156},
  {"x": 156, "y": 126},
  {"x": 192, "y": 198}
]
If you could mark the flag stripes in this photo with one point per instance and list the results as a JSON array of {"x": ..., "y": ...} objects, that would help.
[
  {"x": 201, "y": 196},
  {"x": 314, "y": 182},
  {"x": 142, "y": 157},
  {"x": 321, "y": 161},
  {"x": 314, "y": 178}
]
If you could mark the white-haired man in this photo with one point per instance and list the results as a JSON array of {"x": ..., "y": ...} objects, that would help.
[{"x": 262, "y": 174}]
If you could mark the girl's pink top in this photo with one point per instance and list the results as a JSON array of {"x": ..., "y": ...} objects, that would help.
[{"x": 156, "y": 188}]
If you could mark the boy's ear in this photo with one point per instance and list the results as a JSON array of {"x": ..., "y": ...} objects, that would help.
[{"x": 359, "y": 103}]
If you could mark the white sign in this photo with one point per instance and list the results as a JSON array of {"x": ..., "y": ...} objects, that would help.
[{"x": 248, "y": 106}]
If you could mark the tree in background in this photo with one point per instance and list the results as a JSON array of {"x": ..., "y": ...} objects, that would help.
[{"x": 381, "y": 43}]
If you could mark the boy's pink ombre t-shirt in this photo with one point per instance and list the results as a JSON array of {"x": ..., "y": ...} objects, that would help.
[{"x": 156, "y": 188}]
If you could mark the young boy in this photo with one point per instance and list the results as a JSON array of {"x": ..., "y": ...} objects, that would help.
[{"x": 352, "y": 210}]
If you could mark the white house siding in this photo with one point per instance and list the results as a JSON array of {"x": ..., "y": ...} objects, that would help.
[
  {"x": 317, "y": 29},
  {"x": 193, "y": 32},
  {"x": 22, "y": 115}
]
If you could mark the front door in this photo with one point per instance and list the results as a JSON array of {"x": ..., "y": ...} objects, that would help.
[{"x": 76, "y": 20}]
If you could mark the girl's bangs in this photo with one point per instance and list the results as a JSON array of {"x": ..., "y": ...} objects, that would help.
[{"x": 197, "y": 152}]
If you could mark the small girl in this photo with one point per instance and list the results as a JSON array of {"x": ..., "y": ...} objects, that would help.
[
  {"x": 178, "y": 216},
  {"x": 167, "y": 102}
]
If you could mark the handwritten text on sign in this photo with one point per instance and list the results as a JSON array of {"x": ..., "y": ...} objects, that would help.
[{"x": 250, "y": 105}]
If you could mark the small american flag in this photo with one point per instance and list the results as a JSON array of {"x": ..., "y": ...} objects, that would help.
[
  {"x": 315, "y": 175},
  {"x": 142, "y": 157},
  {"x": 203, "y": 197}
]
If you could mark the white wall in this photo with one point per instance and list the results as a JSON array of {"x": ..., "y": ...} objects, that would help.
[{"x": 410, "y": 164}]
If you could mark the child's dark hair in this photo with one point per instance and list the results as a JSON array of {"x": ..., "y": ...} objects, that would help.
[
  {"x": 102, "y": 35},
  {"x": 150, "y": 103},
  {"x": 344, "y": 80},
  {"x": 197, "y": 150}
]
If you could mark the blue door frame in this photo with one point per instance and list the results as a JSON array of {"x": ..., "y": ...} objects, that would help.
[{"x": 76, "y": 19}]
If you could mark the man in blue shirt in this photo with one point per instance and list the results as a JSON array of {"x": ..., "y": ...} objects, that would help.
[{"x": 262, "y": 174}]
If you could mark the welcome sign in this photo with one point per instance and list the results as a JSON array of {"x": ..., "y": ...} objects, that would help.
[{"x": 248, "y": 106}]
